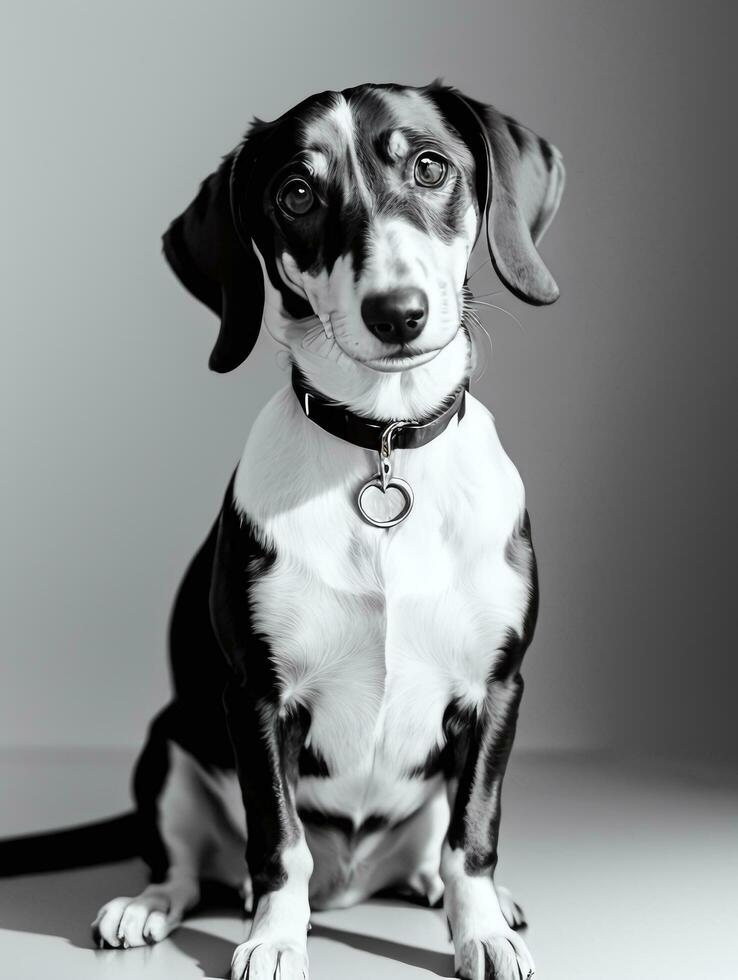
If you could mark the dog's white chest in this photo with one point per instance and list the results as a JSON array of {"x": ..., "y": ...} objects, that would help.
[{"x": 377, "y": 631}]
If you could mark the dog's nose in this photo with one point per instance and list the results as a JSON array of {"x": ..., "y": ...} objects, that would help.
[{"x": 395, "y": 317}]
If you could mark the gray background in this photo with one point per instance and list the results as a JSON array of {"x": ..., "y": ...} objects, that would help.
[{"x": 617, "y": 403}]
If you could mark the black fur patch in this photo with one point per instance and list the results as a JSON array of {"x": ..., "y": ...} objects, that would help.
[
  {"x": 480, "y": 744},
  {"x": 517, "y": 134},
  {"x": 194, "y": 720},
  {"x": 434, "y": 763},
  {"x": 546, "y": 152},
  {"x": 352, "y": 831},
  {"x": 311, "y": 764}
]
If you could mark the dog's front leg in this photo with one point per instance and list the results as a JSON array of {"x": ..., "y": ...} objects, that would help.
[
  {"x": 267, "y": 742},
  {"x": 485, "y": 946},
  {"x": 266, "y": 736}
]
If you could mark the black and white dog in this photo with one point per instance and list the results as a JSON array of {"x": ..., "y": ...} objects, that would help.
[{"x": 346, "y": 645}]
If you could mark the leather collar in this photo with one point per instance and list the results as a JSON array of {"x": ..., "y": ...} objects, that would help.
[{"x": 367, "y": 433}]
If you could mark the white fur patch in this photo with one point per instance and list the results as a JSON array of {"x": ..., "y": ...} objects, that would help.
[
  {"x": 334, "y": 129},
  {"x": 277, "y": 943},
  {"x": 471, "y": 901},
  {"x": 397, "y": 145},
  {"x": 201, "y": 820},
  {"x": 375, "y": 632},
  {"x": 479, "y": 927}
]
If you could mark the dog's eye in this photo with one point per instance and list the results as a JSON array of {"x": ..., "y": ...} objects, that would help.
[
  {"x": 430, "y": 170},
  {"x": 295, "y": 197}
]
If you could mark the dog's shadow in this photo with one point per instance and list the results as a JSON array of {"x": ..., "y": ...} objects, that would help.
[
  {"x": 61, "y": 906},
  {"x": 440, "y": 964}
]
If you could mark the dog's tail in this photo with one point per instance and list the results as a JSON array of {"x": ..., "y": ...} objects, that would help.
[{"x": 102, "y": 842}]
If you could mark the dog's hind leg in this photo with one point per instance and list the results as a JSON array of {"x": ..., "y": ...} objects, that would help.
[
  {"x": 192, "y": 827},
  {"x": 186, "y": 825}
]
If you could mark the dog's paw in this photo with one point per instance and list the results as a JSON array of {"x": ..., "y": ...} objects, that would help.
[
  {"x": 144, "y": 920},
  {"x": 126, "y": 922},
  {"x": 514, "y": 915},
  {"x": 498, "y": 956},
  {"x": 257, "y": 960}
]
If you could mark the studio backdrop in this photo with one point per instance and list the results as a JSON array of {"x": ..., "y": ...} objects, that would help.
[{"x": 617, "y": 403}]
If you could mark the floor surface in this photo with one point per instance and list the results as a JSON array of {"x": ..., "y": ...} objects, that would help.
[{"x": 626, "y": 871}]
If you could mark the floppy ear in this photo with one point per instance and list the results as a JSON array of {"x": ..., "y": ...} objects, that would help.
[
  {"x": 219, "y": 266},
  {"x": 520, "y": 179}
]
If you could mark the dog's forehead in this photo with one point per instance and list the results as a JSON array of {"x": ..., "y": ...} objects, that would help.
[
  {"x": 357, "y": 121},
  {"x": 412, "y": 109}
]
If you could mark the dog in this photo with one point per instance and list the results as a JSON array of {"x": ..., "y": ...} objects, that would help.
[{"x": 346, "y": 646}]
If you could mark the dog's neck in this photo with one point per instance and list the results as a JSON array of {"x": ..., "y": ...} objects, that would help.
[{"x": 415, "y": 393}]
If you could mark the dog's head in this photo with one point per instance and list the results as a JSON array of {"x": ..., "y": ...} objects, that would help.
[{"x": 347, "y": 225}]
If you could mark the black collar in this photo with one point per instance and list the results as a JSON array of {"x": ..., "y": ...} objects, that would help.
[{"x": 367, "y": 433}]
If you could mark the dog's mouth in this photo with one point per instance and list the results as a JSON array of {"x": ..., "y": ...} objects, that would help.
[
  {"x": 402, "y": 360},
  {"x": 325, "y": 337}
]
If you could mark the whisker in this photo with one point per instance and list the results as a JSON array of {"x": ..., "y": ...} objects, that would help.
[{"x": 501, "y": 310}]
